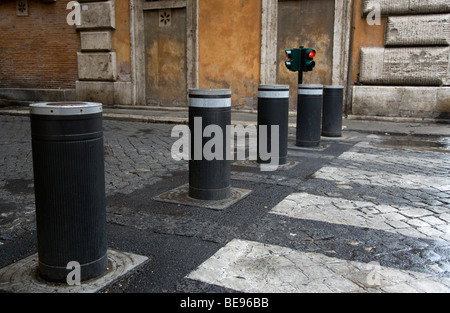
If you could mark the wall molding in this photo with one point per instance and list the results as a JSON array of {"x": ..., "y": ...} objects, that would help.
[{"x": 269, "y": 46}]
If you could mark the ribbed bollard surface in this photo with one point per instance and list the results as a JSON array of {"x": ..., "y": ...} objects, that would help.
[
  {"x": 333, "y": 98},
  {"x": 69, "y": 183},
  {"x": 273, "y": 110},
  {"x": 209, "y": 179},
  {"x": 309, "y": 115}
]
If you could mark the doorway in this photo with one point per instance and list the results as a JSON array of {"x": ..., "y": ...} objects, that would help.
[{"x": 165, "y": 57}]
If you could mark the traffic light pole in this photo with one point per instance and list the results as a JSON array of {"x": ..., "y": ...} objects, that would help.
[
  {"x": 300, "y": 77},
  {"x": 300, "y": 72}
]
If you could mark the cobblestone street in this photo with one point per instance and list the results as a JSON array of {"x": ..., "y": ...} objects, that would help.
[{"x": 362, "y": 213}]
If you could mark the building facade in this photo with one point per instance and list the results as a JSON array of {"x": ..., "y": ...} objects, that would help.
[{"x": 392, "y": 57}]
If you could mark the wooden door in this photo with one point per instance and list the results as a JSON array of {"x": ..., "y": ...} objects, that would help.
[{"x": 165, "y": 57}]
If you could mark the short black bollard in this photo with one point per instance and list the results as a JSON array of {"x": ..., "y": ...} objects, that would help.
[
  {"x": 309, "y": 115},
  {"x": 273, "y": 109},
  {"x": 209, "y": 167},
  {"x": 69, "y": 184},
  {"x": 333, "y": 98}
]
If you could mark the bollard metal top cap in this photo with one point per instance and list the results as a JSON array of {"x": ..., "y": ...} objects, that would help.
[
  {"x": 273, "y": 91},
  {"x": 273, "y": 87},
  {"x": 209, "y": 92},
  {"x": 310, "y": 86},
  {"x": 209, "y": 98},
  {"x": 65, "y": 108},
  {"x": 310, "y": 90}
]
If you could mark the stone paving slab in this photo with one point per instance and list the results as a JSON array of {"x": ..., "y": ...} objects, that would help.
[{"x": 180, "y": 195}]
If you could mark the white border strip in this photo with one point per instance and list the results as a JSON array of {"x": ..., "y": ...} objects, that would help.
[
  {"x": 209, "y": 102},
  {"x": 273, "y": 94},
  {"x": 312, "y": 92}
]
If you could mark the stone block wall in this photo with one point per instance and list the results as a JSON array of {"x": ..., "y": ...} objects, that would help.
[
  {"x": 415, "y": 53},
  {"x": 97, "y": 66}
]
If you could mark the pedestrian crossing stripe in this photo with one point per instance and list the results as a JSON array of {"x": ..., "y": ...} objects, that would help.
[
  {"x": 357, "y": 213},
  {"x": 254, "y": 267}
]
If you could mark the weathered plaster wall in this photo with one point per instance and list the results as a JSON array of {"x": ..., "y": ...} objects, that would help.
[
  {"x": 230, "y": 48},
  {"x": 165, "y": 58},
  {"x": 308, "y": 23},
  {"x": 121, "y": 40},
  {"x": 364, "y": 35}
]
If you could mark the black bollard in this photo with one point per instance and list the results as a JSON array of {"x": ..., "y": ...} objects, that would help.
[
  {"x": 333, "y": 98},
  {"x": 273, "y": 109},
  {"x": 309, "y": 115},
  {"x": 69, "y": 184},
  {"x": 209, "y": 178}
]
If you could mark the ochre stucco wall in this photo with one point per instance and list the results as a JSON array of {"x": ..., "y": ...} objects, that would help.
[
  {"x": 364, "y": 35},
  {"x": 121, "y": 40},
  {"x": 230, "y": 48}
]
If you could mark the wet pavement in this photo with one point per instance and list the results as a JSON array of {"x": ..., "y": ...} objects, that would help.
[{"x": 365, "y": 212}]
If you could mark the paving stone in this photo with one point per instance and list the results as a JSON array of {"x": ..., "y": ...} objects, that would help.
[
  {"x": 417, "y": 222},
  {"x": 415, "y": 212},
  {"x": 430, "y": 231}
]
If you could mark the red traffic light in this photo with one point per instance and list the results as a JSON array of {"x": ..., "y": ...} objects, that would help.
[
  {"x": 312, "y": 54},
  {"x": 289, "y": 54}
]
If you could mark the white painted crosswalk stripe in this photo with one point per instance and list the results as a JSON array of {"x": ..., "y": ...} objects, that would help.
[
  {"x": 356, "y": 213},
  {"x": 254, "y": 267}
]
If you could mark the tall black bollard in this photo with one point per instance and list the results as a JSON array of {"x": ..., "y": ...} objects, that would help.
[
  {"x": 273, "y": 109},
  {"x": 69, "y": 184},
  {"x": 209, "y": 174},
  {"x": 309, "y": 115},
  {"x": 333, "y": 98}
]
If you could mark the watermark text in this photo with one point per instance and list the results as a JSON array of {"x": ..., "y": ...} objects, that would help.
[{"x": 216, "y": 149}]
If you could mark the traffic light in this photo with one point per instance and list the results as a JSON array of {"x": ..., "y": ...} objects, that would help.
[
  {"x": 300, "y": 60},
  {"x": 307, "y": 59},
  {"x": 293, "y": 63}
]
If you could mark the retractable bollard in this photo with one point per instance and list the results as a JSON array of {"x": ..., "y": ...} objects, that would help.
[
  {"x": 273, "y": 109},
  {"x": 309, "y": 115},
  {"x": 333, "y": 98},
  {"x": 69, "y": 184},
  {"x": 209, "y": 167}
]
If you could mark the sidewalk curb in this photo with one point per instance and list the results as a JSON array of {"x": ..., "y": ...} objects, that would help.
[{"x": 370, "y": 125}]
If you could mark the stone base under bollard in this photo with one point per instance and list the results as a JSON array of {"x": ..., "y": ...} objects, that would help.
[
  {"x": 180, "y": 195},
  {"x": 255, "y": 164},
  {"x": 22, "y": 276}
]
